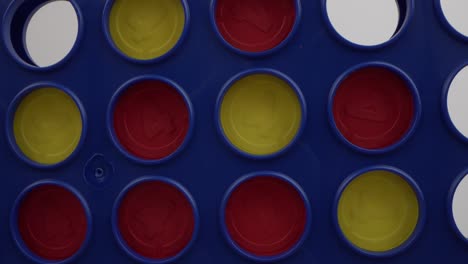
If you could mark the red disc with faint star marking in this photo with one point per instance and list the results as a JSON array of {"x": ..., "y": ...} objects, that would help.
[
  {"x": 373, "y": 108},
  {"x": 151, "y": 119},
  {"x": 156, "y": 220},
  {"x": 255, "y": 25},
  {"x": 52, "y": 222}
]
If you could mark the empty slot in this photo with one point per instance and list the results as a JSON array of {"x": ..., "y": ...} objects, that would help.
[
  {"x": 460, "y": 207},
  {"x": 42, "y": 33},
  {"x": 366, "y": 22},
  {"x": 456, "y": 103},
  {"x": 455, "y": 13}
]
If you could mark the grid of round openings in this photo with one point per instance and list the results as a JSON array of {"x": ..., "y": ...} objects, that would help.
[
  {"x": 43, "y": 33},
  {"x": 260, "y": 114},
  {"x": 156, "y": 220},
  {"x": 456, "y": 105},
  {"x": 46, "y": 48},
  {"x": 151, "y": 119},
  {"x": 265, "y": 216},
  {"x": 52, "y": 223},
  {"x": 460, "y": 207},
  {"x": 366, "y": 22},
  {"x": 378, "y": 211},
  {"x": 374, "y": 107},
  {"x": 146, "y": 29},
  {"x": 255, "y": 25},
  {"x": 47, "y": 126},
  {"x": 455, "y": 13}
]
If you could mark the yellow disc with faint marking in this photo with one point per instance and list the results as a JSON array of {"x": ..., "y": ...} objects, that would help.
[
  {"x": 378, "y": 211},
  {"x": 261, "y": 114},
  {"x": 146, "y": 29},
  {"x": 47, "y": 126}
]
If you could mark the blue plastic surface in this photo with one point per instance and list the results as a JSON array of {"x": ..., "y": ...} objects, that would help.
[{"x": 427, "y": 50}]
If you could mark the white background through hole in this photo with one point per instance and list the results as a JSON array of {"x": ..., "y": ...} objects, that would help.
[
  {"x": 457, "y": 101},
  {"x": 456, "y": 13},
  {"x": 364, "y": 22},
  {"x": 460, "y": 207},
  {"x": 51, "y": 33}
]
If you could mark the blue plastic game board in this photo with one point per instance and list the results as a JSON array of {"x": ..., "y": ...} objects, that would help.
[{"x": 259, "y": 135}]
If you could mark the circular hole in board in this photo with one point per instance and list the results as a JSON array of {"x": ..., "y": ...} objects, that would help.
[
  {"x": 51, "y": 222},
  {"x": 255, "y": 26},
  {"x": 378, "y": 211},
  {"x": 151, "y": 119},
  {"x": 47, "y": 125},
  {"x": 456, "y": 106},
  {"x": 454, "y": 12},
  {"x": 145, "y": 30},
  {"x": 460, "y": 207},
  {"x": 366, "y": 22},
  {"x": 41, "y": 34},
  {"x": 51, "y": 33},
  {"x": 155, "y": 220},
  {"x": 374, "y": 107},
  {"x": 261, "y": 113},
  {"x": 265, "y": 216}
]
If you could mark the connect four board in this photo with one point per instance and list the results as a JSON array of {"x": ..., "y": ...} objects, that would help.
[{"x": 234, "y": 131}]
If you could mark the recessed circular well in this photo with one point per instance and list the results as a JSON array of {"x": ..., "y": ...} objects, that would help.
[
  {"x": 52, "y": 223},
  {"x": 42, "y": 33},
  {"x": 151, "y": 118},
  {"x": 378, "y": 211},
  {"x": 146, "y": 29},
  {"x": 255, "y": 25},
  {"x": 155, "y": 220},
  {"x": 47, "y": 125},
  {"x": 260, "y": 114},
  {"x": 457, "y": 108},
  {"x": 374, "y": 107},
  {"x": 459, "y": 207},
  {"x": 265, "y": 216},
  {"x": 454, "y": 13},
  {"x": 51, "y": 33},
  {"x": 366, "y": 22}
]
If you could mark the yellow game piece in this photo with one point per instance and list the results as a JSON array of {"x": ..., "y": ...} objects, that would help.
[
  {"x": 47, "y": 126},
  {"x": 146, "y": 29},
  {"x": 378, "y": 211},
  {"x": 261, "y": 114}
]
